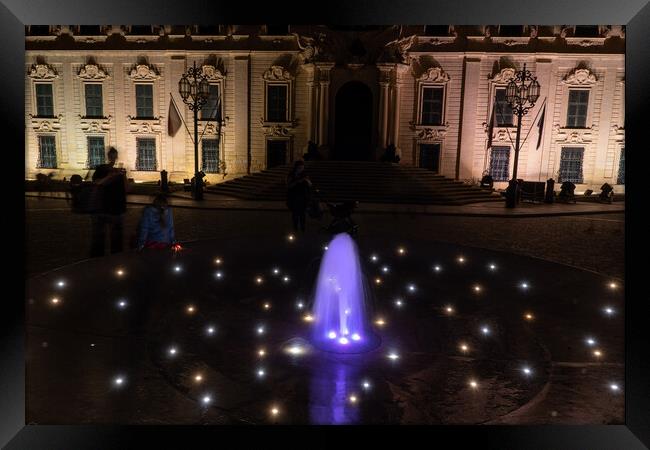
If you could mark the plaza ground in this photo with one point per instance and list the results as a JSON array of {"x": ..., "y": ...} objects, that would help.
[
  {"x": 571, "y": 387},
  {"x": 593, "y": 242}
]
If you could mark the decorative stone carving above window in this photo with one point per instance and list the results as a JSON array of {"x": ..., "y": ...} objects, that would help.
[
  {"x": 575, "y": 135},
  {"x": 501, "y": 135},
  {"x": 278, "y": 129},
  {"x": 212, "y": 73},
  {"x": 95, "y": 125},
  {"x": 277, "y": 73},
  {"x": 144, "y": 72},
  {"x": 211, "y": 128},
  {"x": 434, "y": 75},
  {"x": 618, "y": 132},
  {"x": 504, "y": 76},
  {"x": 430, "y": 133},
  {"x": 92, "y": 72},
  {"x": 580, "y": 77},
  {"x": 144, "y": 125},
  {"x": 46, "y": 124},
  {"x": 43, "y": 72}
]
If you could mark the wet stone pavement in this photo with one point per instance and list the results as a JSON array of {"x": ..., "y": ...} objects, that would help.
[{"x": 214, "y": 335}]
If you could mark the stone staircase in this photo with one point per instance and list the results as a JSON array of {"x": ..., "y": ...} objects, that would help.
[{"x": 371, "y": 182}]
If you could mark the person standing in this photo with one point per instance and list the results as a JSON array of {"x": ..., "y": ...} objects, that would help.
[
  {"x": 298, "y": 194},
  {"x": 111, "y": 181}
]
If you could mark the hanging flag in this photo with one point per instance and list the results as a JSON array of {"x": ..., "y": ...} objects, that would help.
[
  {"x": 491, "y": 126},
  {"x": 540, "y": 126},
  {"x": 173, "y": 118}
]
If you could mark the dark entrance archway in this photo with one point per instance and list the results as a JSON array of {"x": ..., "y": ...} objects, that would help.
[{"x": 353, "y": 122}]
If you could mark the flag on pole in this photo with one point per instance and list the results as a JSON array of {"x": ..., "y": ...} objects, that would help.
[
  {"x": 173, "y": 118},
  {"x": 540, "y": 126},
  {"x": 491, "y": 127}
]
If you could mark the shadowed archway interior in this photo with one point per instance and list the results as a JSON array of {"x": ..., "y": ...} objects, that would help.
[{"x": 353, "y": 122}]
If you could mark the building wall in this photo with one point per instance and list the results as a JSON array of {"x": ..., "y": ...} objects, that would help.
[{"x": 463, "y": 137}]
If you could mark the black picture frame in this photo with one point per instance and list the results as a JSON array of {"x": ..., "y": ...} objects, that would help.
[{"x": 14, "y": 14}]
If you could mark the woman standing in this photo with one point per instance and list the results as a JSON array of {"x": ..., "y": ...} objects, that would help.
[{"x": 298, "y": 194}]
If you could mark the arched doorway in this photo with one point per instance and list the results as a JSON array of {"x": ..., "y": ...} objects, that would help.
[{"x": 353, "y": 122}]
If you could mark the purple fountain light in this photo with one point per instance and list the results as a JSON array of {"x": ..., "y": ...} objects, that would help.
[{"x": 340, "y": 316}]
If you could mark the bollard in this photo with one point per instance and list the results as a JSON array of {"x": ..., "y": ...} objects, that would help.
[
  {"x": 511, "y": 194},
  {"x": 549, "y": 196},
  {"x": 164, "y": 186}
]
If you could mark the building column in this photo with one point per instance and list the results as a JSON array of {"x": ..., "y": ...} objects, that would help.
[
  {"x": 309, "y": 68},
  {"x": 400, "y": 72},
  {"x": 384, "y": 100},
  {"x": 323, "y": 103},
  {"x": 466, "y": 145},
  {"x": 242, "y": 120},
  {"x": 534, "y": 164},
  {"x": 597, "y": 176}
]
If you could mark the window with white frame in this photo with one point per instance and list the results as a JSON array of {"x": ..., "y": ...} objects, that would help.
[
  {"x": 277, "y": 102},
  {"x": 212, "y": 108},
  {"x": 500, "y": 163},
  {"x": 144, "y": 101},
  {"x": 210, "y": 156},
  {"x": 577, "y": 109},
  {"x": 621, "y": 168},
  {"x": 571, "y": 164},
  {"x": 146, "y": 154},
  {"x": 46, "y": 152},
  {"x": 502, "y": 111},
  {"x": 431, "y": 105},
  {"x": 44, "y": 100},
  {"x": 96, "y": 152},
  {"x": 94, "y": 100}
]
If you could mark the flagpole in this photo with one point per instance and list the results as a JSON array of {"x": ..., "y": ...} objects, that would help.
[
  {"x": 534, "y": 120},
  {"x": 181, "y": 116},
  {"x": 541, "y": 139}
]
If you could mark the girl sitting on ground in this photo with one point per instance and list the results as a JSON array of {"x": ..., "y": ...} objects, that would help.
[{"x": 156, "y": 228}]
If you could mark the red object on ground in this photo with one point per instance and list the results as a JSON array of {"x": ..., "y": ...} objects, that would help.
[{"x": 156, "y": 245}]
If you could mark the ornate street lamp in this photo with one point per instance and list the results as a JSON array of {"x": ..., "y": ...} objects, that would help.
[
  {"x": 194, "y": 88},
  {"x": 521, "y": 94}
]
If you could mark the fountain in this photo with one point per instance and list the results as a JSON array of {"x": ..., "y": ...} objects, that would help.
[{"x": 341, "y": 300}]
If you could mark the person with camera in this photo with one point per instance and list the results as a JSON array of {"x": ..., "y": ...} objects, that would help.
[{"x": 111, "y": 181}]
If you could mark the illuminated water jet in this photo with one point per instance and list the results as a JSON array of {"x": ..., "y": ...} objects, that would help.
[{"x": 341, "y": 300}]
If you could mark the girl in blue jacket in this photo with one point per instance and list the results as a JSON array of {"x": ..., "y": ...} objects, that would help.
[{"x": 157, "y": 225}]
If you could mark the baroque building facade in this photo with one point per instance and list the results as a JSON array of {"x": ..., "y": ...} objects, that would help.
[{"x": 434, "y": 92}]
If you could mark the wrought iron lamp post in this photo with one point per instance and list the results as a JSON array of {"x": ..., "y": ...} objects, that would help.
[
  {"x": 521, "y": 94},
  {"x": 194, "y": 88}
]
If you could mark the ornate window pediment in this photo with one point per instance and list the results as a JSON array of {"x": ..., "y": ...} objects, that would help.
[
  {"x": 277, "y": 73},
  {"x": 580, "y": 77},
  {"x": 144, "y": 125},
  {"x": 95, "y": 125},
  {"x": 278, "y": 129},
  {"x": 434, "y": 75},
  {"x": 504, "y": 76},
  {"x": 144, "y": 72},
  {"x": 430, "y": 133},
  {"x": 212, "y": 73},
  {"x": 575, "y": 136},
  {"x": 47, "y": 124},
  {"x": 92, "y": 72},
  {"x": 43, "y": 72}
]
